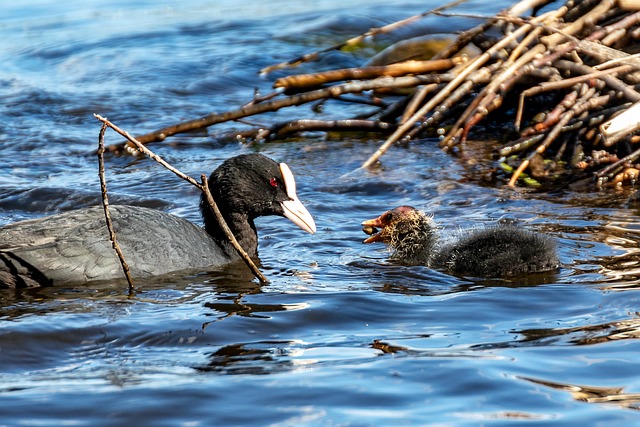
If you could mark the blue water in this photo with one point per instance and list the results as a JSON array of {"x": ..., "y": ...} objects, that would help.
[{"x": 340, "y": 336}]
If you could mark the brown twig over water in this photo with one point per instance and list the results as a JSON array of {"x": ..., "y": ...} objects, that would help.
[
  {"x": 546, "y": 83},
  {"x": 105, "y": 205}
]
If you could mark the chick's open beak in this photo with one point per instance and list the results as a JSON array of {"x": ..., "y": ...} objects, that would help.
[
  {"x": 293, "y": 208},
  {"x": 371, "y": 227}
]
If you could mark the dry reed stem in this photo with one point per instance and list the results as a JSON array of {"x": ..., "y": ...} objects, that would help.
[
  {"x": 308, "y": 125},
  {"x": 563, "y": 84},
  {"x": 203, "y": 187},
  {"x": 481, "y": 60},
  {"x": 486, "y": 101},
  {"x": 611, "y": 81},
  {"x": 416, "y": 100},
  {"x": 593, "y": 119},
  {"x": 555, "y": 114},
  {"x": 465, "y": 70}
]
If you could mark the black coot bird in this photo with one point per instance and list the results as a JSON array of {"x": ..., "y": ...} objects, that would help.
[
  {"x": 75, "y": 247},
  {"x": 494, "y": 251}
]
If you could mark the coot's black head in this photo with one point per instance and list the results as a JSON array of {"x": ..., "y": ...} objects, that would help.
[
  {"x": 252, "y": 185},
  {"x": 408, "y": 231}
]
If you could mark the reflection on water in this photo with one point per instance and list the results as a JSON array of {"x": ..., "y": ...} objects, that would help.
[
  {"x": 607, "y": 395},
  {"x": 260, "y": 358},
  {"x": 583, "y": 335},
  {"x": 238, "y": 308}
]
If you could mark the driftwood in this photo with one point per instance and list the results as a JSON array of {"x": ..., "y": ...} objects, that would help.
[{"x": 548, "y": 83}]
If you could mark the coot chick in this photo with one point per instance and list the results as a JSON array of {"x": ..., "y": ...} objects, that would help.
[
  {"x": 74, "y": 246},
  {"x": 495, "y": 251}
]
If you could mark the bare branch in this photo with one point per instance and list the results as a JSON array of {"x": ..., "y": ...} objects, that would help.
[{"x": 105, "y": 206}]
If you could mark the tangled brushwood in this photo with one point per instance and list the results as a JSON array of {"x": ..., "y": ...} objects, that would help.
[{"x": 558, "y": 82}]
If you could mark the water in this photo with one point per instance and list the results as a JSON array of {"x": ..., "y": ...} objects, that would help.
[{"x": 340, "y": 336}]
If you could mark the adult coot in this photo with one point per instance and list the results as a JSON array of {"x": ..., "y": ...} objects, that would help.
[
  {"x": 75, "y": 246},
  {"x": 494, "y": 251}
]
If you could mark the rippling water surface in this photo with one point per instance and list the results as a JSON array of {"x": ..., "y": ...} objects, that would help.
[{"x": 340, "y": 336}]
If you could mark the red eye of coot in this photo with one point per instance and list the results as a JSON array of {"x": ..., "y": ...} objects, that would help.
[{"x": 273, "y": 182}]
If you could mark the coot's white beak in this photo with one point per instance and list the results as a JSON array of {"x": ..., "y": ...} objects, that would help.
[{"x": 294, "y": 209}]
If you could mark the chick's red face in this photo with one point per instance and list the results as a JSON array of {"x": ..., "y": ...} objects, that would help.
[
  {"x": 380, "y": 229},
  {"x": 376, "y": 227}
]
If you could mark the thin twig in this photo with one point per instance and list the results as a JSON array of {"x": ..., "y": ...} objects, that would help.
[
  {"x": 105, "y": 206},
  {"x": 280, "y": 130},
  {"x": 563, "y": 84},
  {"x": 577, "y": 108}
]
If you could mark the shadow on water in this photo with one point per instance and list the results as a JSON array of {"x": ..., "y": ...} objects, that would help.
[{"x": 177, "y": 288}]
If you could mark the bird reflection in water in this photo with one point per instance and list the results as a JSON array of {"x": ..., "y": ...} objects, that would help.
[{"x": 590, "y": 394}]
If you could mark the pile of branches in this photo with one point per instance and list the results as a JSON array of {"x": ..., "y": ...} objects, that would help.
[{"x": 549, "y": 78}]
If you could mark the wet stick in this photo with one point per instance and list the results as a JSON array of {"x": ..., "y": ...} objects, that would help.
[{"x": 577, "y": 107}]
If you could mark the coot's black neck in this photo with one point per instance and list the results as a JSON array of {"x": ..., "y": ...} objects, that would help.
[{"x": 241, "y": 226}]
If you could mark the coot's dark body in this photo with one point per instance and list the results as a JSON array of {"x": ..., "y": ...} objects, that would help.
[
  {"x": 494, "y": 251},
  {"x": 74, "y": 246}
]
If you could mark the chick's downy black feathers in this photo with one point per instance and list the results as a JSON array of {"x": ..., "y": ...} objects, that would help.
[{"x": 493, "y": 251}]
